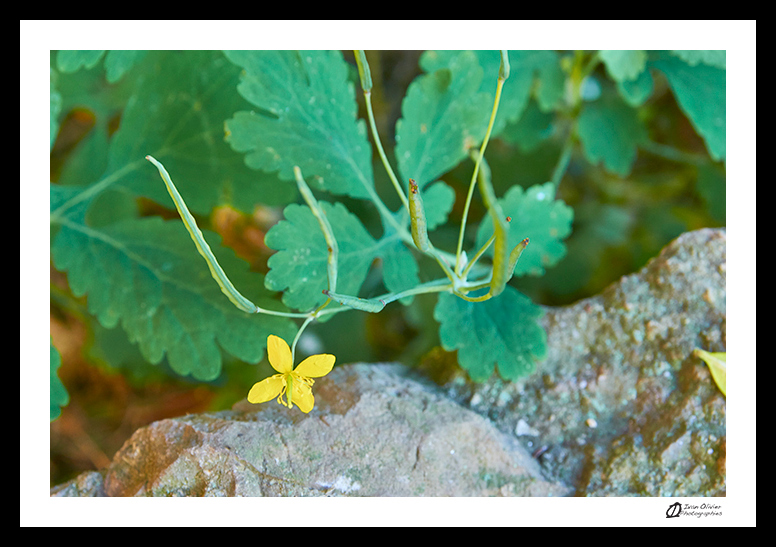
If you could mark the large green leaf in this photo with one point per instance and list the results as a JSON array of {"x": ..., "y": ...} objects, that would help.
[
  {"x": 438, "y": 199},
  {"x": 501, "y": 332},
  {"x": 711, "y": 57},
  {"x": 443, "y": 115},
  {"x": 73, "y": 60},
  {"x": 299, "y": 268},
  {"x": 636, "y": 92},
  {"x": 177, "y": 116},
  {"x": 624, "y": 65},
  {"x": 146, "y": 275},
  {"x": 700, "y": 91},
  {"x": 537, "y": 215},
  {"x": 533, "y": 128},
  {"x": 534, "y": 72},
  {"x": 628, "y": 69},
  {"x": 306, "y": 116},
  {"x": 610, "y": 131},
  {"x": 119, "y": 61},
  {"x": 175, "y": 112},
  {"x": 400, "y": 270}
]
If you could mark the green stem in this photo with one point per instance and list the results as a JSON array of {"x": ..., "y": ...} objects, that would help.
[
  {"x": 366, "y": 85},
  {"x": 298, "y": 334},
  {"x": 477, "y": 256},
  {"x": 383, "y": 157},
  {"x": 323, "y": 221},
  {"x": 563, "y": 160},
  {"x": 438, "y": 285},
  {"x": 503, "y": 73}
]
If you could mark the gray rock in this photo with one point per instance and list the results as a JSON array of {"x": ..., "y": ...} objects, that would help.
[
  {"x": 374, "y": 432},
  {"x": 85, "y": 485},
  {"x": 619, "y": 407}
]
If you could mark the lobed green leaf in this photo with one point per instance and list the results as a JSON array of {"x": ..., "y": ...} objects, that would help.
[
  {"x": 537, "y": 215},
  {"x": 177, "y": 116},
  {"x": 624, "y": 65},
  {"x": 502, "y": 333},
  {"x": 532, "y": 72},
  {"x": 74, "y": 60},
  {"x": 400, "y": 269},
  {"x": 610, "y": 131},
  {"x": 700, "y": 92},
  {"x": 439, "y": 199},
  {"x": 299, "y": 268},
  {"x": 444, "y": 114},
  {"x": 636, "y": 92},
  {"x": 711, "y": 57},
  {"x": 146, "y": 275},
  {"x": 306, "y": 117}
]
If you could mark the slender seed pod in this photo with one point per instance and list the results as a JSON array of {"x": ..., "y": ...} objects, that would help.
[
  {"x": 515, "y": 255},
  {"x": 418, "y": 218},
  {"x": 371, "y": 306},
  {"x": 216, "y": 271},
  {"x": 499, "y": 277},
  {"x": 363, "y": 70}
]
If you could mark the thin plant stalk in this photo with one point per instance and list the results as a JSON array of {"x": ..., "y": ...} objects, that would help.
[
  {"x": 366, "y": 85},
  {"x": 503, "y": 75}
]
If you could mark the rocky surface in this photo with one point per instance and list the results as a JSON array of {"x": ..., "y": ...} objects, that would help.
[
  {"x": 619, "y": 407},
  {"x": 374, "y": 432}
]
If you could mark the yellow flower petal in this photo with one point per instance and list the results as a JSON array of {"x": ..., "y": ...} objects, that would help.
[
  {"x": 315, "y": 366},
  {"x": 303, "y": 397},
  {"x": 717, "y": 363},
  {"x": 265, "y": 390},
  {"x": 279, "y": 354}
]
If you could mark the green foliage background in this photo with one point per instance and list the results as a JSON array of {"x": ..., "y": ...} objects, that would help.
[{"x": 631, "y": 142}]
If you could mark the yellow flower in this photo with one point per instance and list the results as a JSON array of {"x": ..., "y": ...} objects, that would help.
[{"x": 295, "y": 383}]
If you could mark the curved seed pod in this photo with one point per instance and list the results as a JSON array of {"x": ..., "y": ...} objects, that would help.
[
  {"x": 204, "y": 249},
  {"x": 515, "y": 255},
  {"x": 372, "y": 306},
  {"x": 418, "y": 218},
  {"x": 499, "y": 278}
]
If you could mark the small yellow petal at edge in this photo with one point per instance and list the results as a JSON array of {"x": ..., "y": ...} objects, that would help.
[
  {"x": 279, "y": 354},
  {"x": 268, "y": 389},
  {"x": 717, "y": 363},
  {"x": 303, "y": 397},
  {"x": 316, "y": 366}
]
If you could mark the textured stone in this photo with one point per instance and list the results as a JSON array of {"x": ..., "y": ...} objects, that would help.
[
  {"x": 619, "y": 407},
  {"x": 374, "y": 432},
  {"x": 623, "y": 359},
  {"x": 85, "y": 485}
]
